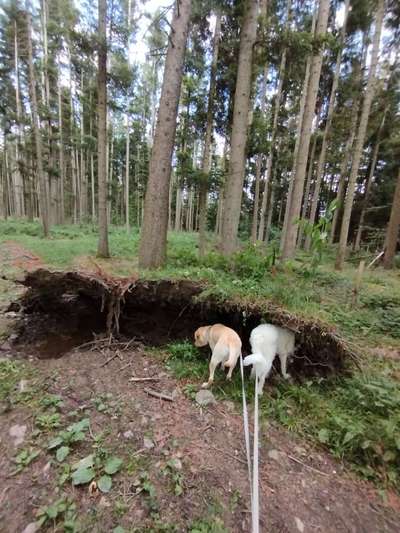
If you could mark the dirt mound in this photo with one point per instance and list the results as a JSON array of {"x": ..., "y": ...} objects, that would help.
[{"x": 157, "y": 312}]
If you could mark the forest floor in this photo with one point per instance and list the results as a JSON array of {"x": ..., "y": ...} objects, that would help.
[{"x": 183, "y": 466}]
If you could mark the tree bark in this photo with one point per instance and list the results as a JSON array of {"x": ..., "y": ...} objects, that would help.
[
  {"x": 392, "y": 233},
  {"x": 152, "y": 249},
  {"x": 368, "y": 184},
  {"x": 328, "y": 125},
  {"x": 102, "y": 249},
  {"x": 263, "y": 97},
  {"x": 206, "y": 162},
  {"x": 61, "y": 155},
  {"x": 309, "y": 178},
  {"x": 298, "y": 136},
  {"x": 234, "y": 184},
  {"x": 289, "y": 245},
  {"x": 360, "y": 137},
  {"x": 43, "y": 185}
]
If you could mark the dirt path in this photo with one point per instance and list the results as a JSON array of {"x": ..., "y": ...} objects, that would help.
[{"x": 301, "y": 490}]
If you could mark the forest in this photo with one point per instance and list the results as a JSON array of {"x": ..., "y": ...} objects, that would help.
[{"x": 164, "y": 163}]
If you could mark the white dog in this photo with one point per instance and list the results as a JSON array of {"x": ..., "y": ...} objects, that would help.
[{"x": 266, "y": 342}]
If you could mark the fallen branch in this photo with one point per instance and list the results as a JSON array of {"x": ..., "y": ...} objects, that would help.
[
  {"x": 307, "y": 466},
  {"x": 159, "y": 395},
  {"x": 110, "y": 359},
  {"x": 139, "y": 380},
  {"x": 229, "y": 455}
]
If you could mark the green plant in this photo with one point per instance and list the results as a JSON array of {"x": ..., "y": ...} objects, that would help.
[
  {"x": 47, "y": 422},
  {"x": 185, "y": 360},
  {"x": 63, "y": 508},
  {"x": 144, "y": 484},
  {"x": 65, "y": 439},
  {"x": 173, "y": 469},
  {"x": 25, "y": 458},
  {"x": 52, "y": 401},
  {"x": 208, "y": 525},
  {"x": 97, "y": 466},
  {"x": 318, "y": 233}
]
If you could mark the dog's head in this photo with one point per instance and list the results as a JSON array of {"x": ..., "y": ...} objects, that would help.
[{"x": 201, "y": 336}]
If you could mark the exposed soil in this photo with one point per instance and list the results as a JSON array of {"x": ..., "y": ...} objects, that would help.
[{"x": 297, "y": 482}]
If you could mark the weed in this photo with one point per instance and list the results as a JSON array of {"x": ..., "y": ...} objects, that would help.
[
  {"x": 48, "y": 422},
  {"x": 208, "y": 525},
  {"x": 173, "y": 469},
  {"x": 63, "y": 508},
  {"x": 24, "y": 458},
  {"x": 100, "y": 466},
  {"x": 66, "y": 439},
  {"x": 51, "y": 401},
  {"x": 185, "y": 360},
  {"x": 143, "y": 484}
]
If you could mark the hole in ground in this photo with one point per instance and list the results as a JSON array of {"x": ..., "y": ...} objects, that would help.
[{"x": 63, "y": 310}]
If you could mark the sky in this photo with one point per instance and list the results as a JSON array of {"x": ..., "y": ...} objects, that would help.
[{"x": 139, "y": 49}]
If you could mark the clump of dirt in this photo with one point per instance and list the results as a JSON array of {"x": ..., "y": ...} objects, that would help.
[{"x": 80, "y": 304}]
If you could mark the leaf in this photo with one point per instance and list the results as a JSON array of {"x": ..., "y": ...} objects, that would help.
[
  {"x": 79, "y": 426},
  {"x": 112, "y": 465},
  {"x": 52, "y": 511},
  {"x": 54, "y": 443},
  {"x": 118, "y": 529},
  {"x": 348, "y": 437},
  {"x": 104, "y": 483},
  {"x": 323, "y": 435},
  {"x": 76, "y": 437},
  {"x": 86, "y": 462},
  {"x": 82, "y": 476},
  {"x": 388, "y": 456},
  {"x": 62, "y": 453}
]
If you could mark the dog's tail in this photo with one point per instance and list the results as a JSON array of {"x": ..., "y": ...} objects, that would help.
[
  {"x": 234, "y": 354},
  {"x": 260, "y": 364}
]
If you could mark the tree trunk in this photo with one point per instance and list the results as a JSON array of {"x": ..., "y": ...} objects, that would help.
[
  {"x": 344, "y": 167},
  {"x": 298, "y": 136},
  {"x": 61, "y": 155},
  {"x": 263, "y": 97},
  {"x": 309, "y": 178},
  {"x": 234, "y": 184},
  {"x": 84, "y": 189},
  {"x": 152, "y": 249},
  {"x": 289, "y": 246},
  {"x": 19, "y": 186},
  {"x": 360, "y": 137},
  {"x": 43, "y": 186},
  {"x": 392, "y": 233},
  {"x": 327, "y": 130},
  {"x": 102, "y": 249},
  {"x": 206, "y": 162},
  {"x": 127, "y": 175},
  {"x": 368, "y": 184}
]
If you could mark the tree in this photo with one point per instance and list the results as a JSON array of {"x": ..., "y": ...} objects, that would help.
[
  {"x": 392, "y": 234},
  {"x": 43, "y": 185},
  {"x": 152, "y": 250},
  {"x": 102, "y": 249},
  {"x": 328, "y": 125},
  {"x": 289, "y": 245},
  {"x": 360, "y": 136},
  {"x": 234, "y": 183}
]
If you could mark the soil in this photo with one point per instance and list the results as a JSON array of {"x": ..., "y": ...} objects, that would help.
[{"x": 301, "y": 488}]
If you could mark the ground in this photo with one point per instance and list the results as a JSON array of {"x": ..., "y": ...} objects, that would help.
[{"x": 183, "y": 465}]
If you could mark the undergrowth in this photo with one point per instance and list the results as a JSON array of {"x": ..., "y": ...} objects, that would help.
[{"x": 356, "y": 418}]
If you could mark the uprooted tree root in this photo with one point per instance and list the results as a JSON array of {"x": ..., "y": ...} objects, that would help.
[{"x": 158, "y": 312}]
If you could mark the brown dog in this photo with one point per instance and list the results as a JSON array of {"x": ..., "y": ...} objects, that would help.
[{"x": 225, "y": 345}]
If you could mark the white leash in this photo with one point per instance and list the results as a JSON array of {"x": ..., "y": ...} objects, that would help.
[
  {"x": 246, "y": 431},
  {"x": 253, "y": 479}
]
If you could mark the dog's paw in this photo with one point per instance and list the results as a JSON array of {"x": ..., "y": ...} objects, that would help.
[
  {"x": 205, "y": 385},
  {"x": 287, "y": 376}
]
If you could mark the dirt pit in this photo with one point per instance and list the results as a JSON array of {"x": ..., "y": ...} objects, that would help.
[{"x": 66, "y": 309}]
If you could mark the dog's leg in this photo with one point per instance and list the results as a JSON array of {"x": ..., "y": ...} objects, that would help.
[
  {"x": 212, "y": 367},
  {"x": 260, "y": 385},
  {"x": 283, "y": 358}
]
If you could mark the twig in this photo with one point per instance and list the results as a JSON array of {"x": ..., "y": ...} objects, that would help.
[
  {"x": 125, "y": 366},
  {"x": 229, "y": 455},
  {"x": 307, "y": 466},
  {"x": 159, "y": 395},
  {"x": 110, "y": 359},
  {"x": 139, "y": 380}
]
